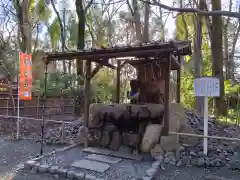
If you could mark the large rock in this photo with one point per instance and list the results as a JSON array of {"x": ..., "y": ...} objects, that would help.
[
  {"x": 169, "y": 143},
  {"x": 151, "y": 137},
  {"x": 177, "y": 116},
  {"x": 185, "y": 128},
  {"x": 116, "y": 141},
  {"x": 179, "y": 123},
  {"x": 99, "y": 111}
]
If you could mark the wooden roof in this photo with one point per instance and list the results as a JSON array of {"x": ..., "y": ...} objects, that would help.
[{"x": 154, "y": 51}]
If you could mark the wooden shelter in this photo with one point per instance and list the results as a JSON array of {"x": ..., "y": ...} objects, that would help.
[{"x": 153, "y": 62}]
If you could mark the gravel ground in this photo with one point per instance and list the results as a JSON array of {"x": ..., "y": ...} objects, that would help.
[
  {"x": 193, "y": 173},
  {"x": 14, "y": 153}
]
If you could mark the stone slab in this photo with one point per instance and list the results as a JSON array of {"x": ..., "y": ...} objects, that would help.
[
  {"x": 126, "y": 156},
  {"x": 91, "y": 165},
  {"x": 97, "y": 150},
  {"x": 103, "y": 158}
]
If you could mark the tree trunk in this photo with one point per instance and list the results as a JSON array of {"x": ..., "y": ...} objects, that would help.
[
  {"x": 25, "y": 26},
  {"x": 225, "y": 43},
  {"x": 81, "y": 34},
  {"x": 152, "y": 77},
  {"x": 226, "y": 54},
  {"x": 137, "y": 21},
  {"x": 197, "y": 57},
  {"x": 217, "y": 57},
  {"x": 149, "y": 75},
  {"x": 146, "y": 22}
]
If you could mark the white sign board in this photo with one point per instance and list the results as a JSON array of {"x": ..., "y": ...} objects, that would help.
[{"x": 207, "y": 86}]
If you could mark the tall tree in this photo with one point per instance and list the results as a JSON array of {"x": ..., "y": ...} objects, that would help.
[
  {"x": 81, "y": 13},
  {"x": 217, "y": 55},
  {"x": 197, "y": 55},
  {"x": 29, "y": 13},
  {"x": 62, "y": 30},
  {"x": 23, "y": 10}
]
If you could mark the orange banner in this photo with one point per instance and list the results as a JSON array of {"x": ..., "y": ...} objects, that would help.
[{"x": 25, "y": 83}]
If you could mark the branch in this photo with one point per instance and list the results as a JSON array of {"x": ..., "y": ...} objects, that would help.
[
  {"x": 193, "y": 10},
  {"x": 36, "y": 41},
  {"x": 60, "y": 24},
  {"x": 228, "y": 19},
  {"x": 130, "y": 8},
  {"x": 88, "y": 6},
  {"x": 91, "y": 34},
  {"x": 235, "y": 42}
]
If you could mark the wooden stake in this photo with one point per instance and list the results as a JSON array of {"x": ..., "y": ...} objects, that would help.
[
  {"x": 87, "y": 90},
  {"x": 118, "y": 82},
  {"x": 166, "y": 97}
]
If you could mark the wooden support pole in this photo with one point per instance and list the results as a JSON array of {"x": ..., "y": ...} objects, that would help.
[
  {"x": 166, "y": 98},
  {"x": 117, "y": 99},
  {"x": 178, "y": 97},
  {"x": 87, "y": 90},
  {"x": 178, "y": 86}
]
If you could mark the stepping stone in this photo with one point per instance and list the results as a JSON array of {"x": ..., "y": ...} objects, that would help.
[
  {"x": 126, "y": 156},
  {"x": 97, "y": 150},
  {"x": 102, "y": 158},
  {"x": 91, "y": 165}
]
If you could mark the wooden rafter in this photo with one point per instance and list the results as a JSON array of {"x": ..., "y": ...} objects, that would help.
[{"x": 154, "y": 49}]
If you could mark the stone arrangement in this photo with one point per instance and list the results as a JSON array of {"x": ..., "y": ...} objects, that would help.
[
  {"x": 34, "y": 167},
  {"x": 220, "y": 152},
  {"x": 100, "y": 162}
]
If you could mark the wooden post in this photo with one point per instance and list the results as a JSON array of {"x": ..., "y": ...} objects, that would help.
[
  {"x": 178, "y": 99},
  {"x": 117, "y": 99},
  {"x": 86, "y": 100},
  {"x": 166, "y": 97},
  {"x": 178, "y": 85}
]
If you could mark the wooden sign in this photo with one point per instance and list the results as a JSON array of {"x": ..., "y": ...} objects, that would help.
[{"x": 25, "y": 89}]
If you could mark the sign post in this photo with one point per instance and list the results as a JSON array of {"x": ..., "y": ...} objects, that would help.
[
  {"x": 24, "y": 81},
  {"x": 206, "y": 87}
]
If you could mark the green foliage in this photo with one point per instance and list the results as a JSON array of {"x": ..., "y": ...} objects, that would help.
[
  {"x": 230, "y": 88},
  {"x": 54, "y": 33},
  {"x": 43, "y": 11},
  {"x": 187, "y": 91},
  {"x": 8, "y": 59},
  {"x": 103, "y": 88},
  {"x": 57, "y": 83}
]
